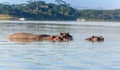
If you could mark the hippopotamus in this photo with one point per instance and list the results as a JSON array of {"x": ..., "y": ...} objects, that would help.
[
  {"x": 27, "y": 37},
  {"x": 95, "y": 39},
  {"x": 63, "y": 37}
]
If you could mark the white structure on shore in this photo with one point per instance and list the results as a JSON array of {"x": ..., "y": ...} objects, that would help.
[
  {"x": 78, "y": 19},
  {"x": 22, "y": 19}
]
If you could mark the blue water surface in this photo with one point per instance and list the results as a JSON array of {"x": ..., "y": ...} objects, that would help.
[{"x": 78, "y": 54}]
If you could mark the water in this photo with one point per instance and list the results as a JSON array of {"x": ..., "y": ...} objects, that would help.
[{"x": 78, "y": 54}]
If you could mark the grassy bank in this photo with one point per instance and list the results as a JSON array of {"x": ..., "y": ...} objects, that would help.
[{"x": 5, "y": 17}]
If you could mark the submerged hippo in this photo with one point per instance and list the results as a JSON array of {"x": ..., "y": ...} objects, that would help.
[
  {"x": 27, "y": 37},
  {"x": 63, "y": 37},
  {"x": 95, "y": 39}
]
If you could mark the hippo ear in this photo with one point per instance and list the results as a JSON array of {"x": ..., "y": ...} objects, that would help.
[
  {"x": 61, "y": 33},
  {"x": 67, "y": 33},
  {"x": 93, "y": 36},
  {"x": 101, "y": 37}
]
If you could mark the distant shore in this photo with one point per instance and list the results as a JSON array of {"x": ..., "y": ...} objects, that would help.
[{"x": 40, "y": 10}]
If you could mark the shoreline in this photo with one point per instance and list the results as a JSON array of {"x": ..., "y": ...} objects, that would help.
[
  {"x": 53, "y": 21},
  {"x": 101, "y": 23}
]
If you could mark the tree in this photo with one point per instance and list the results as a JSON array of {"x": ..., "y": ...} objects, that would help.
[{"x": 61, "y": 2}]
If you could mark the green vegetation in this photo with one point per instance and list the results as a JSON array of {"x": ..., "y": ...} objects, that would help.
[
  {"x": 103, "y": 15},
  {"x": 39, "y": 10}
]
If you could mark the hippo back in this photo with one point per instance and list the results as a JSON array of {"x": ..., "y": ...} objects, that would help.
[{"x": 22, "y": 36}]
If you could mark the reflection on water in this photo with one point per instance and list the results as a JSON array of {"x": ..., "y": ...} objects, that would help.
[{"x": 78, "y": 54}]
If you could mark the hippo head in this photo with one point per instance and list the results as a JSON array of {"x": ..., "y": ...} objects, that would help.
[
  {"x": 101, "y": 38},
  {"x": 66, "y": 36},
  {"x": 95, "y": 39}
]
